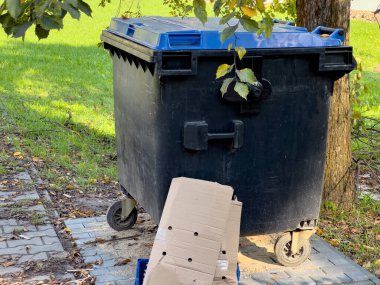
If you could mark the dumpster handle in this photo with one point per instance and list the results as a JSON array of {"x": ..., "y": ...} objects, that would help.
[
  {"x": 331, "y": 32},
  {"x": 196, "y": 135}
]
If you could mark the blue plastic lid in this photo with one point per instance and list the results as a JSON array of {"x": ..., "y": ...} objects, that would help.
[{"x": 159, "y": 33}]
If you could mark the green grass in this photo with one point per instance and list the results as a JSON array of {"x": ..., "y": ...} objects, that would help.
[
  {"x": 356, "y": 233},
  {"x": 3, "y": 170},
  {"x": 365, "y": 38},
  {"x": 41, "y": 81}
]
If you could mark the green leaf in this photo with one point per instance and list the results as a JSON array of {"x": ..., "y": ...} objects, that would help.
[
  {"x": 19, "y": 30},
  {"x": 40, "y": 32},
  {"x": 241, "y": 52},
  {"x": 2, "y": 8},
  {"x": 74, "y": 13},
  {"x": 223, "y": 69},
  {"x": 5, "y": 19},
  {"x": 7, "y": 22},
  {"x": 200, "y": 10},
  {"x": 230, "y": 46},
  {"x": 73, "y": 3},
  {"x": 85, "y": 8},
  {"x": 217, "y": 7},
  {"x": 49, "y": 22},
  {"x": 241, "y": 89},
  {"x": 226, "y": 18},
  {"x": 267, "y": 26},
  {"x": 14, "y": 8},
  {"x": 260, "y": 5},
  {"x": 249, "y": 25},
  {"x": 246, "y": 75},
  {"x": 248, "y": 11},
  {"x": 228, "y": 32},
  {"x": 226, "y": 83},
  {"x": 40, "y": 7}
]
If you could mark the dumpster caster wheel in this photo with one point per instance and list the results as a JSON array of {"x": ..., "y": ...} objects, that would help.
[
  {"x": 284, "y": 256},
  {"x": 115, "y": 221}
]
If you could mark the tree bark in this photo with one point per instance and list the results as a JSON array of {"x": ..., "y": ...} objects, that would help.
[{"x": 338, "y": 178}]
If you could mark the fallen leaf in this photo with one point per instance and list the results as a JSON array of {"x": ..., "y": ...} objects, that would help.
[
  {"x": 8, "y": 263},
  {"x": 106, "y": 179},
  {"x": 367, "y": 247},
  {"x": 67, "y": 196},
  {"x": 100, "y": 240},
  {"x": 377, "y": 262},
  {"x": 123, "y": 262},
  {"x": 67, "y": 230},
  {"x": 70, "y": 186},
  {"x": 334, "y": 242},
  {"x": 36, "y": 159},
  {"x": 24, "y": 236},
  {"x": 354, "y": 230},
  {"x": 18, "y": 154},
  {"x": 319, "y": 231}
]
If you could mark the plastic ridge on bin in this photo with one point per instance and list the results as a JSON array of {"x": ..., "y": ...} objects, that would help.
[{"x": 160, "y": 33}]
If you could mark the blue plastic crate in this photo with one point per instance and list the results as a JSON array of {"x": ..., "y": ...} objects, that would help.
[{"x": 143, "y": 263}]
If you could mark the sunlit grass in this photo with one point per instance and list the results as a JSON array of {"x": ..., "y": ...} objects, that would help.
[{"x": 365, "y": 38}]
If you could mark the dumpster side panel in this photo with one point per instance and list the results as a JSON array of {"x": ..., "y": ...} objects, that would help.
[{"x": 137, "y": 101}]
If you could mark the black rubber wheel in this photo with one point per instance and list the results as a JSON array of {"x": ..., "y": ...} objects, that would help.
[
  {"x": 114, "y": 218},
  {"x": 283, "y": 252}
]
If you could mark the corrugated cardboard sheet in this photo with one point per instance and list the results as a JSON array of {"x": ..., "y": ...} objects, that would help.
[{"x": 198, "y": 236}]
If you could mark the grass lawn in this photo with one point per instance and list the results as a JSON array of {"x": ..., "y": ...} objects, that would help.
[
  {"x": 42, "y": 82},
  {"x": 365, "y": 38}
]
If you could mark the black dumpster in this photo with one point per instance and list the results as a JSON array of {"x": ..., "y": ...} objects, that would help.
[{"x": 172, "y": 121}]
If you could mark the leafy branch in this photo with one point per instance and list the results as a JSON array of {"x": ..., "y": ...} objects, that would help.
[{"x": 17, "y": 16}]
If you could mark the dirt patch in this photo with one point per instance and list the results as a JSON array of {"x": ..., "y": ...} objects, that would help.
[
  {"x": 376, "y": 69},
  {"x": 367, "y": 16}
]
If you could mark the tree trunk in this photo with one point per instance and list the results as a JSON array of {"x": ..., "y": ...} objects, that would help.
[{"x": 338, "y": 180}]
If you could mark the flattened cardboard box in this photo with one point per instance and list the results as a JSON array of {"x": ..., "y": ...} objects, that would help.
[
  {"x": 197, "y": 206},
  {"x": 227, "y": 261},
  {"x": 190, "y": 233}
]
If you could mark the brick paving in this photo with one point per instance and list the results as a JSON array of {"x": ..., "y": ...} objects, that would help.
[
  {"x": 326, "y": 265},
  {"x": 21, "y": 241},
  {"x": 100, "y": 244},
  {"x": 108, "y": 250}
]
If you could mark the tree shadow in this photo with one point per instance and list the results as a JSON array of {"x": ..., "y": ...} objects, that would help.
[{"x": 41, "y": 84}]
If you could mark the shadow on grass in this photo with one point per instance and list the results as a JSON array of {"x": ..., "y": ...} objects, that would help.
[{"x": 60, "y": 99}]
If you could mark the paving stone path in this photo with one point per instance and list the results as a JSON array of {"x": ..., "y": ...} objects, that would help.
[
  {"x": 29, "y": 240},
  {"x": 113, "y": 254},
  {"x": 100, "y": 244}
]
